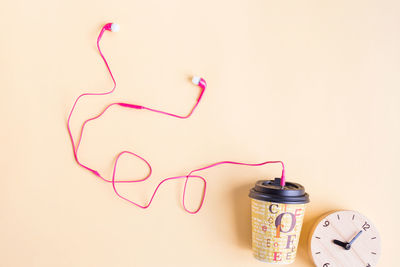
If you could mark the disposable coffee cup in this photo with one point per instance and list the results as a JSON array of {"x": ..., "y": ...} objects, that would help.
[{"x": 277, "y": 217}]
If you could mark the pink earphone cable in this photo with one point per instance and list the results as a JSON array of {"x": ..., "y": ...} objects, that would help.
[{"x": 202, "y": 84}]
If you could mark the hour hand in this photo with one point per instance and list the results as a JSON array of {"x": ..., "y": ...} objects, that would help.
[{"x": 344, "y": 245}]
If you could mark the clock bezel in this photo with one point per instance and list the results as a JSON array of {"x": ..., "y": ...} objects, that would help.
[{"x": 321, "y": 218}]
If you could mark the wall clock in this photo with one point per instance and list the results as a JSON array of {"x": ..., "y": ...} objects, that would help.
[{"x": 344, "y": 239}]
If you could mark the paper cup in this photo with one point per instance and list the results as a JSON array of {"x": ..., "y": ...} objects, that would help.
[{"x": 277, "y": 217}]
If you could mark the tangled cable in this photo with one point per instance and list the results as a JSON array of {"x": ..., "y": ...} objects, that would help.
[{"x": 75, "y": 145}]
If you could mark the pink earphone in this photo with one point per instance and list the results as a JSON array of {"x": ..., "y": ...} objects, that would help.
[{"x": 75, "y": 145}]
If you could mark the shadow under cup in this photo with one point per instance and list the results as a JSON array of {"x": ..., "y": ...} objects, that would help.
[{"x": 277, "y": 217}]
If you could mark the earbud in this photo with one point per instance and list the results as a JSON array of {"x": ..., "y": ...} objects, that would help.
[
  {"x": 196, "y": 80},
  {"x": 199, "y": 81},
  {"x": 114, "y": 27}
]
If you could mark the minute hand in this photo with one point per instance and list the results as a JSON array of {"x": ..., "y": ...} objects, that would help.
[{"x": 354, "y": 238}]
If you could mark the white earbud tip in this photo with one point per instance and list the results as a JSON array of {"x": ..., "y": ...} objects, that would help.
[
  {"x": 115, "y": 27},
  {"x": 196, "y": 80}
]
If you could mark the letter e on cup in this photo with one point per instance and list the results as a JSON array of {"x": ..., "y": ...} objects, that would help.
[
  {"x": 298, "y": 212},
  {"x": 277, "y": 256}
]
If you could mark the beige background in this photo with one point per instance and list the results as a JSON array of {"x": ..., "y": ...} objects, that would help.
[{"x": 312, "y": 83}]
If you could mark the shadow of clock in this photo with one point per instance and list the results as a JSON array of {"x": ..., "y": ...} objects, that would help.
[{"x": 303, "y": 251}]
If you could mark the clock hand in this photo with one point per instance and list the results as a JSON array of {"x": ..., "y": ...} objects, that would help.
[
  {"x": 344, "y": 245},
  {"x": 347, "y": 245},
  {"x": 354, "y": 238}
]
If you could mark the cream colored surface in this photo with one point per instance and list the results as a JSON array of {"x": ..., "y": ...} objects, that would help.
[{"x": 312, "y": 83}]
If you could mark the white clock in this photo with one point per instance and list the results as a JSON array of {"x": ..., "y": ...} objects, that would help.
[{"x": 345, "y": 239}]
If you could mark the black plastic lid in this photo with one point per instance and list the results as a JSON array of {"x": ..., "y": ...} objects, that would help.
[{"x": 271, "y": 191}]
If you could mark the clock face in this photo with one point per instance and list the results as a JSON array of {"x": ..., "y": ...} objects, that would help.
[{"x": 345, "y": 239}]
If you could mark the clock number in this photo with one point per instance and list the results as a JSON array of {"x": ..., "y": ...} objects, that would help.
[
  {"x": 366, "y": 226},
  {"x": 326, "y": 264},
  {"x": 326, "y": 224}
]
